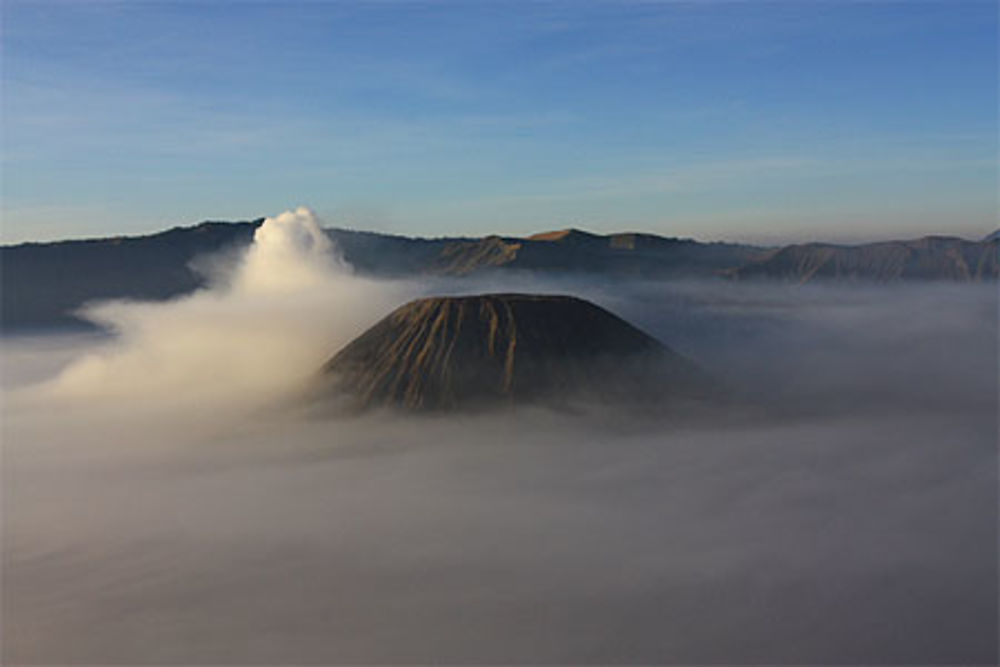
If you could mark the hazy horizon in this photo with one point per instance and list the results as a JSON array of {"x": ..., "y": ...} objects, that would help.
[{"x": 750, "y": 239}]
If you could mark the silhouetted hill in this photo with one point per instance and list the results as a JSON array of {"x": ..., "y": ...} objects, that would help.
[
  {"x": 929, "y": 258},
  {"x": 455, "y": 352},
  {"x": 572, "y": 250},
  {"x": 43, "y": 283},
  {"x": 388, "y": 254}
]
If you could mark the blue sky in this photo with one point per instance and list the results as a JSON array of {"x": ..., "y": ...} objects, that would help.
[{"x": 759, "y": 121}]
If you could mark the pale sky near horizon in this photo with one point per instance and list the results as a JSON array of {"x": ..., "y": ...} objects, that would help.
[{"x": 760, "y": 121}]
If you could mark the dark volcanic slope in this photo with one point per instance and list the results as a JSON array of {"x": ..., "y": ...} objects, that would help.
[{"x": 448, "y": 352}]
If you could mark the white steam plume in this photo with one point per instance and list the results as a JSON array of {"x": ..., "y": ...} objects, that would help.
[
  {"x": 288, "y": 304},
  {"x": 290, "y": 253}
]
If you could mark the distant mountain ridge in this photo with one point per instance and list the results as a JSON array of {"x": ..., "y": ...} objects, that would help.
[
  {"x": 929, "y": 258},
  {"x": 573, "y": 250},
  {"x": 41, "y": 284}
]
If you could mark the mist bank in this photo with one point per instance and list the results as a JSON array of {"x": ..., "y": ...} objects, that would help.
[
  {"x": 551, "y": 540},
  {"x": 165, "y": 501}
]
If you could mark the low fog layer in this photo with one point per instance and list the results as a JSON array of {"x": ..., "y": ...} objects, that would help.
[{"x": 166, "y": 502}]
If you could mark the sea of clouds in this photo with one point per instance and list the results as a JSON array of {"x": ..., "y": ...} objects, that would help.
[{"x": 166, "y": 500}]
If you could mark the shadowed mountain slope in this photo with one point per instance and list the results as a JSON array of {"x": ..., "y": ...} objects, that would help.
[
  {"x": 43, "y": 283},
  {"x": 453, "y": 352},
  {"x": 929, "y": 258},
  {"x": 576, "y": 251}
]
